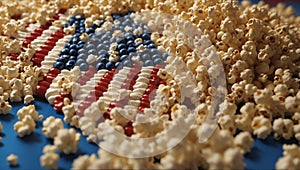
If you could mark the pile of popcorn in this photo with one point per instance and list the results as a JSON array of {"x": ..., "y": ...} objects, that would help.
[{"x": 259, "y": 48}]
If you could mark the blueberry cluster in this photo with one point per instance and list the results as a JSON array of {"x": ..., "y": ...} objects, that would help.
[
  {"x": 127, "y": 46},
  {"x": 68, "y": 56},
  {"x": 127, "y": 49}
]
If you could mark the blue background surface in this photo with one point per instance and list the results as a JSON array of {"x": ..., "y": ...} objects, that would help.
[{"x": 263, "y": 155}]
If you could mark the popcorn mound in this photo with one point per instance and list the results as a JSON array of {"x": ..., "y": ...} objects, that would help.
[{"x": 109, "y": 73}]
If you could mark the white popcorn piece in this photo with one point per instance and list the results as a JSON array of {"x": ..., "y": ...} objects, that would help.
[
  {"x": 12, "y": 159},
  {"x": 244, "y": 141},
  {"x": 28, "y": 110},
  {"x": 67, "y": 140},
  {"x": 50, "y": 158},
  {"x": 28, "y": 99},
  {"x": 283, "y": 128},
  {"x": 83, "y": 162},
  {"x": 290, "y": 159},
  {"x": 5, "y": 107},
  {"x": 25, "y": 126},
  {"x": 261, "y": 126},
  {"x": 51, "y": 126}
]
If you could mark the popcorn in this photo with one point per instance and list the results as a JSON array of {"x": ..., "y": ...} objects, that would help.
[
  {"x": 49, "y": 158},
  {"x": 290, "y": 159},
  {"x": 84, "y": 162},
  {"x": 259, "y": 58},
  {"x": 28, "y": 110},
  {"x": 12, "y": 160},
  {"x": 25, "y": 126},
  {"x": 283, "y": 127},
  {"x": 244, "y": 141},
  {"x": 5, "y": 107},
  {"x": 28, "y": 99},
  {"x": 51, "y": 126},
  {"x": 67, "y": 140},
  {"x": 261, "y": 126}
]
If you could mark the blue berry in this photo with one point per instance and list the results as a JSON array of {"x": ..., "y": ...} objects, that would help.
[
  {"x": 147, "y": 42},
  {"x": 138, "y": 44},
  {"x": 70, "y": 64},
  {"x": 155, "y": 56},
  {"x": 130, "y": 43},
  {"x": 59, "y": 65},
  {"x": 121, "y": 46},
  {"x": 118, "y": 65},
  {"x": 100, "y": 66},
  {"x": 64, "y": 51},
  {"x": 73, "y": 46},
  {"x": 92, "y": 51},
  {"x": 130, "y": 37},
  {"x": 123, "y": 57},
  {"x": 116, "y": 16},
  {"x": 148, "y": 63},
  {"x": 81, "y": 56},
  {"x": 154, "y": 51},
  {"x": 151, "y": 46},
  {"x": 80, "y": 61},
  {"x": 84, "y": 66},
  {"x": 127, "y": 63},
  {"x": 145, "y": 57},
  {"x": 101, "y": 52},
  {"x": 120, "y": 40},
  {"x": 62, "y": 59},
  {"x": 75, "y": 40},
  {"x": 103, "y": 59},
  {"x": 165, "y": 56},
  {"x": 89, "y": 31},
  {"x": 90, "y": 46},
  {"x": 73, "y": 52},
  {"x": 73, "y": 58},
  {"x": 101, "y": 47},
  {"x": 123, "y": 52},
  {"x": 109, "y": 65},
  {"x": 131, "y": 49},
  {"x": 158, "y": 61},
  {"x": 145, "y": 36}
]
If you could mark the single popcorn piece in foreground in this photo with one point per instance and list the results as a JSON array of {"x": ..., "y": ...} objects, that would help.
[
  {"x": 28, "y": 110},
  {"x": 12, "y": 160},
  {"x": 51, "y": 126},
  {"x": 24, "y": 127},
  {"x": 50, "y": 158},
  {"x": 67, "y": 140},
  {"x": 290, "y": 159}
]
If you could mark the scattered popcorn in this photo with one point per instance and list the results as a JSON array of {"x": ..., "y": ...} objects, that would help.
[
  {"x": 5, "y": 107},
  {"x": 12, "y": 160},
  {"x": 261, "y": 127},
  {"x": 28, "y": 99},
  {"x": 258, "y": 46},
  {"x": 290, "y": 159},
  {"x": 49, "y": 158},
  {"x": 244, "y": 141},
  {"x": 67, "y": 140},
  {"x": 25, "y": 126},
  {"x": 83, "y": 162},
  {"x": 28, "y": 110},
  {"x": 51, "y": 126}
]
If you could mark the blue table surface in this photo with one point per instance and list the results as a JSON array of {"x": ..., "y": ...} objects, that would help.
[{"x": 263, "y": 155}]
